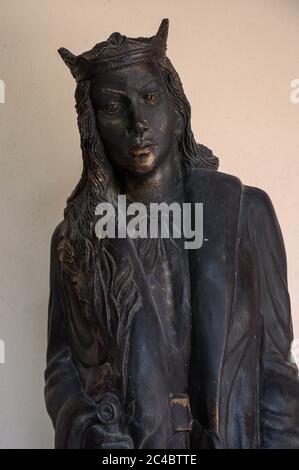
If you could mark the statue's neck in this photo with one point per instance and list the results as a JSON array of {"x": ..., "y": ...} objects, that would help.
[{"x": 164, "y": 184}]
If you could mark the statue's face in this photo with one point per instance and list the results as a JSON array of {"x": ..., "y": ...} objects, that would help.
[{"x": 135, "y": 116}]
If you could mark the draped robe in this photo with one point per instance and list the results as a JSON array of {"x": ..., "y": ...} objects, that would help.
[{"x": 224, "y": 350}]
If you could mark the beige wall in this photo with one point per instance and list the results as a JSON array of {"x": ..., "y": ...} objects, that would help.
[{"x": 236, "y": 59}]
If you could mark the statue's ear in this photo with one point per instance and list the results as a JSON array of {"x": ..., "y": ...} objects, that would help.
[
  {"x": 163, "y": 30},
  {"x": 69, "y": 59}
]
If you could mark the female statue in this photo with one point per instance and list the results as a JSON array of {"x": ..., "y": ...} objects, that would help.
[{"x": 151, "y": 345}]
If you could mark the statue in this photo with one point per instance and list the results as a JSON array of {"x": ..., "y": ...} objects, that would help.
[{"x": 151, "y": 345}]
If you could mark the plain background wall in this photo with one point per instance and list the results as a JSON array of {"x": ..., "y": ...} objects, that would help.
[{"x": 236, "y": 59}]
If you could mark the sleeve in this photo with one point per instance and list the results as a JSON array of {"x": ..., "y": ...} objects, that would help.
[
  {"x": 278, "y": 374},
  {"x": 70, "y": 409}
]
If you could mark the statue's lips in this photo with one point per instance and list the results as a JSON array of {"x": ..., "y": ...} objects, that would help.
[{"x": 141, "y": 151}]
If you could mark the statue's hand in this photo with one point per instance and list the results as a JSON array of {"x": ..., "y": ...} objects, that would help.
[{"x": 97, "y": 438}]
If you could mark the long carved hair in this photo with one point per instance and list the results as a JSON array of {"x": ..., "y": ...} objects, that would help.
[
  {"x": 95, "y": 183},
  {"x": 80, "y": 250}
]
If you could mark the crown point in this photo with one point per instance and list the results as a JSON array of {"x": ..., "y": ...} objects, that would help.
[
  {"x": 67, "y": 56},
  {"x": 163, "y": 29},
  {"x": 117, "y": 39}
]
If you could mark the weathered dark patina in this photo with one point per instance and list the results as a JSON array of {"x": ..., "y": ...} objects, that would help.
[{"x": 151, "y": 345}]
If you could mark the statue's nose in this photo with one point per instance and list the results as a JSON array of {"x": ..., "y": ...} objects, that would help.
[
  {"x": 137, "y": 124},
  {"x": 141, "y": 127}
]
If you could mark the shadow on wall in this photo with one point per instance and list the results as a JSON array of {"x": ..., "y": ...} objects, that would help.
[
  {"x": 2, "y": 91},
  {"x": 2, "y": 352}
]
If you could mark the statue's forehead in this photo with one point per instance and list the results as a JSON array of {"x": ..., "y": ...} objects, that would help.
[{"x": 131, "y": 77}]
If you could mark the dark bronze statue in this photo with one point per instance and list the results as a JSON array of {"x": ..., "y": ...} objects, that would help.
[{"x": 151, "y": 345}]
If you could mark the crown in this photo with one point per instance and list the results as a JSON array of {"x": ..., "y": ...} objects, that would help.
[{"x": 117, "y": 51}]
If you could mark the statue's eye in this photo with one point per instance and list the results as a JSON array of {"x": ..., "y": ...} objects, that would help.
[
  {"x": 111, "y": 108},
  {"x": 151, "y": 98}
]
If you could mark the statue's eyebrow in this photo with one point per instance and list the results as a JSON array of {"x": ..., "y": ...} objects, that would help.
[
  {"x": 115, "y": 92},
  {"x": 153, "y": 78}
]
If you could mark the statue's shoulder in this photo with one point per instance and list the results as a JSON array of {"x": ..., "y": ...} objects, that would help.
[
  {"x": 256, "y": 198},
  {"x": 212, "y": 184},
  {"x": 222, "y": 190},
  {"x": 211, "y": 181},
  {"x": 258, "y": 213}
]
